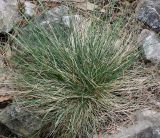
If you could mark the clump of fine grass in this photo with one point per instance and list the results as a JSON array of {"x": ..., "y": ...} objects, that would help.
[{"x": 66, "y": 78}]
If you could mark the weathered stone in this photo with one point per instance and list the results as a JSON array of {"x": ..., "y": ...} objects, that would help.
[
  {"x": 6, "y": 133},
  {"x": 54, "y": 0},
  {"x": 67, "y": 20},
  {"x": 148, "y": 11},
  {"x": 19, "y": 122},
  {"x": 30, "y": 9},
  {"x": 8, "y": 14},
  {"x": 145, "y": 114},
  {"x": 150, "y": 44},
  {"x": 147, "y": 126},
  {"x": 156, "y": 132},
  {"x": 154, "y": 118},
  {"x": 60, "y": 15},
  {"x": 79, "y": 22},
  {"x": 53, "y": 15},
  {"x": 136, "y": 131}
]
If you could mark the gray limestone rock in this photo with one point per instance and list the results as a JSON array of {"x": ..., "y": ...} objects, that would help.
[
  {"x": 30, "y": 9},
  {"x": 148, "y": 11},
  {"x": 19, "y": 122},
  {"x": 150, "y": 45},
  {"x": 53, "y": 15},
  {"x": 8, "y": 14}
]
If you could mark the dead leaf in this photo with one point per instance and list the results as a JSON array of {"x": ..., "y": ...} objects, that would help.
[
  {"x": 87, "y": 6},
  {"x": 1, "y": 62},
  {"x": 8, "y": 52},
  {"x": 4, "y": 101},
  {"x": 79, "y": 1},
  {"x": 51, "y": 4},
  {"x": 5, "y": 98},
  {"x": 7, "y": 55},
  {"x": 59, "y": 1}
]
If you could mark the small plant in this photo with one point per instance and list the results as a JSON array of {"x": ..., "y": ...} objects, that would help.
[{"x": 67, "y": 78}]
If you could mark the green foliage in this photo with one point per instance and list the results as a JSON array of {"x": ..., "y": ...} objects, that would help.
[{"x": 66, "y": 76}]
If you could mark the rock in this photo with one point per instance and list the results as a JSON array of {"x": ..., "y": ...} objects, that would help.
[
  {"x": 150, "y": 44},
  {"x": 61, "y": 15},
  {"x": 8, "y": 14},
  {"x": 6, "y": 133},
  {"x": 141, "y": 129},
  {"x": 156, "y": 132},
  {"x": 54, "y": 0},
  {"x": 67, "y": 20},
  {"x": 53, "y": 15},
  {"x": 78, "y": 21},
  {"x": 145, "y": 114},
  {"x": 30, "y": 9},
  {"x": 150, "y": 115},
  {"x": 147, "y": 126},
  {"x": 148, "y": 11},
  {"x": 19, "y": 122}
]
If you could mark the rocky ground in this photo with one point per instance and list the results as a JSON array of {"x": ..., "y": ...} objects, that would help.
[{"x": 145, "y": 12}]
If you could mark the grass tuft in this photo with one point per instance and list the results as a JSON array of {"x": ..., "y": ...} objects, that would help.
[{"x": 67, "y": 77}]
